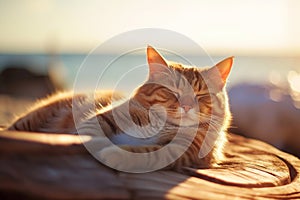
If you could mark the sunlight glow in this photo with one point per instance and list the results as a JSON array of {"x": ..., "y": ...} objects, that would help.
[
  {"x": 275, "y": 77},
  {"x": 294, "y": 82},
  {"x": 276, "y": 95},
  {"x": 232, "y": 26},
  {"x": 48, "y": 138}
]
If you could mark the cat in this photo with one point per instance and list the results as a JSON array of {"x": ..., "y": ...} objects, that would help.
[{"x": 175, "y": 100}]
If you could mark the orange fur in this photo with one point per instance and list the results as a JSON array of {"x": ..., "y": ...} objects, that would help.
[{"x": 188, "y": 98}]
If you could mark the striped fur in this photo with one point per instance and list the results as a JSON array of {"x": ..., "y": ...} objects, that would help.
[{"x": 175, "y": 98}]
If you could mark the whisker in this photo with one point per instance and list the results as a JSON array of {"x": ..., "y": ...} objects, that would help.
[{"x": 210, "y": 116}]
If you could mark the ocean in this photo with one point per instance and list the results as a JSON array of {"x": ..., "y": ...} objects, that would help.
[{"x": 127, "y": 72}]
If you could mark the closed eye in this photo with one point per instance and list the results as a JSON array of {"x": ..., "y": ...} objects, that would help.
[
  {"x": 176, "y": 94},
  {"x": 174, "y": 91}
]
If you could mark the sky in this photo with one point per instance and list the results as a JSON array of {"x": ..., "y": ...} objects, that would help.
[{"x": 269, "y": 27}]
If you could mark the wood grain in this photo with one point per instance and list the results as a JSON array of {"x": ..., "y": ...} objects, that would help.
[{"x": 55, "y": 166}]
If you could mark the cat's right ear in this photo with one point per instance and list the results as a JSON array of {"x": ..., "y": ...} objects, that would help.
[
  {"x": 157, "y": 64},
  {"x": 219, "y": 73}
]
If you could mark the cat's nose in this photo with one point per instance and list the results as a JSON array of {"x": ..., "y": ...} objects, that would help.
[
  {"x": 186, "y": 103},
  {"x": 186, "y": 108}
]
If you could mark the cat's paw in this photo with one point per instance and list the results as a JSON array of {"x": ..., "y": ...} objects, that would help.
[
  {"x": 127, "y": 159},
  {"x": 96, "y": 144},
  {"x": 114, "y": 157}
]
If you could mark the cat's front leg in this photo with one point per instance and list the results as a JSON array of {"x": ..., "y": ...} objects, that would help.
[
  {"x": 130, "y": 158},
  {"x": 96, "y": 144},
  {"x": 90, "y": 127},
  {"x": 144, "y": 158}
]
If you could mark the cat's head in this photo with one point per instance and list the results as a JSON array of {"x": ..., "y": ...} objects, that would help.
[{"x": 189, "y": 95}]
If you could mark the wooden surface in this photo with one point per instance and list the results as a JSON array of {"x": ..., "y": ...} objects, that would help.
[{"x": 52, "y": 166}]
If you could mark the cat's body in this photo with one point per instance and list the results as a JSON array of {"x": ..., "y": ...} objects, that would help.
[{"x": 175, "y": 100}]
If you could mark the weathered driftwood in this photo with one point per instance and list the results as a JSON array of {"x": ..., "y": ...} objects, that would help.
[{"x": 52, "y": 166}]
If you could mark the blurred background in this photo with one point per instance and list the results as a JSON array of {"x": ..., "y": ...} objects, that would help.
[{"x": 44, "y": 42}]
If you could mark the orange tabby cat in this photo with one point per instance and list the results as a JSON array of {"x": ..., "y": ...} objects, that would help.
[{"x": 175, "y": 100}]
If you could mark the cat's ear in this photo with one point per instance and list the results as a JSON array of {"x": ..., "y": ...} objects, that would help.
[
  {"x": 157, "y": 64},
  {"x": 224, "y": 68},
  {"x": 221, "y": 70}
]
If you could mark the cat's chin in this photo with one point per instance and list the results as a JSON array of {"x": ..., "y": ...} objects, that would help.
[
  {"x": 184, "y": 122},
  {"x": 187, "y": 123}
]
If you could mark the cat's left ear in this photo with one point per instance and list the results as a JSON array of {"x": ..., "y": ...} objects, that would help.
[
  {"x": 157, "y": 64},
  {"x": 221, "y": 71}
]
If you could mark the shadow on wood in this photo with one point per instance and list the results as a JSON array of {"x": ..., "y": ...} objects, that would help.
[{"x": 55, "y": 166}]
